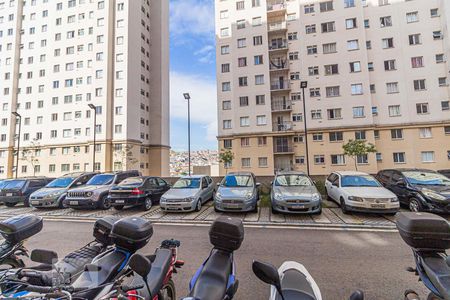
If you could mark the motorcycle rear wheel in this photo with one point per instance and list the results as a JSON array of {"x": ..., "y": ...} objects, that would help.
[{"x": 168, "y": 292}]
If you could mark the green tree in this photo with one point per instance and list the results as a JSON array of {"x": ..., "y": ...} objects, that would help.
[
  {"x": 226, "y": 157},
  {"x": 355, "y": 148},
  {"x": 31, "y": 154}
]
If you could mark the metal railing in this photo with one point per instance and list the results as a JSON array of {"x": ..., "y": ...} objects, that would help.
[
  {"x": 279, "y": 65},
  {"x": 280, "y": 85},
  {"x": 276, "y": 5},
  {"x": 276, "y": 26},
  {"x": 282, "y": 126},
  {"x": 281, "y": 105},
  {"x": 283, "y": 149}
]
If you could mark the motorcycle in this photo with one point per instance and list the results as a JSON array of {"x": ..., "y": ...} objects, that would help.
[
  {"x": 216, "y": 277},
  {"x": 291, "y": 281},
  {"x": 15, "y": 231},
  {"x": 428, "y": 235}
]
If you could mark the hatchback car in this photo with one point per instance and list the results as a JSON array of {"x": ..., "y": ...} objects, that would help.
[
  {"x": 360, "y": 192},
  {"x": 54, "y": 193},
  {"x": 19, "y": 190},
  {"x": 142, "y": 191},
  {"x": 420, "y": 190},
  {"x": 237, "y": 192},
  {"x": 95, "y": 193},
  {"x": 446, "y": 173},
  {"x": 295, "y": 192},
  {"x": 189, "y": 193}
]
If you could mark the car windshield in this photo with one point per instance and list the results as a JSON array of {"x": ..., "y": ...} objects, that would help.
[
  {"x": 61, "y": 182},
  {"x": 292, "y": 180},
  {"x": 3, "y": 183},
  {"x": 101, "y": 179},
  {"x": 187, "y": 183},
  {"x": 426, "y": 178},
  {"x": 14, "y": 184},
  {"x": 132, "y": 182},
  {"x": 238, "y": 181},
  {"x": 359, "y": 180}
]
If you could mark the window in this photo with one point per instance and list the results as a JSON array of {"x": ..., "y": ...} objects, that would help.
[
  {"x": 317, "y": 137},
  {"x": 225, "y": 68},
  {"x": 228, "y": 144},
  {"x": 245, "y": 162},
  {"x": 240, "y": 24},
  {"x": 397, "y": 134},
  {"x": 241, "y": 43},
  {"x": 292, "y": 36},
  {"x": 242, "y": 62},
  {"x": 386, "y": 21},
  {"x": 387, "y": 43},
  {"x": 352, "y": 45},
  {"x": 226, "y": 105},
  {"x": 362, "y": 159},
  {"x": 422, "y": 108},
  {"x": 299, "y": 139},
  {"x": 442, "y": 81},
  {"x": 295, "y": 76},
  {"x": 329, "y": 48},
  {"x": 245, "y": 121},
  {"x": 334, "y": 113},
  {"x": 311, "y": 50},
  {"x": 399, "y": 157},
  {"x": 260, "y": 99},
  {"x": 243, "y": 101},
  {"x": 389, "y": 65},
  {"x": 316, "y": 114},
  {"x": 332, "y": 91},
  {"x": 328, "y": 27},
  {"x": 338, "y": 159},
  {"x": 245, "y": 142},
  {"x": 319, "y": 159},
  {"x": 358, "y": 112},
  {"x": 434, "y": 12},
  {"x": 360, "y": 135},
  {"x": 447, "y": 130},
  {"x": 299, "y": 160},
  {"x": 427, "y": 156},
  {"x": 414, "y": 39},
  {"x": 437, "y": 35},
  {"x": 366, "y": 23},
  {"x": 258, "y": 59},
  {"x": 309, "y": 29},
  {"x": 226, "y": 124},
  {"x": 350, "y": 23},
  {"x": 256, "y": 3},
  {"x": 240, "y": 5},
  {"x": 261, "y": 120},
  {"x": 419, "y": 85},
  {"x": 417, "y": 62},
  {"x": 425, "y": 133},
  {"x": 224, "y": 32},
  {"x": 326, "y": 6},
  {"x": 392, "y": 87},
  {"x": 262, "y": 141},
  {"x": 440, "y": 58},
  {"x": 262, "y": 162},
  {"x": 256, "y": 21},
  {"x": 226, "y": 86},
  {"x": 331, "y": 69},
  {"x": 357, "y": 89},
  {"x": 225, "y": 49},
  {"x": 297, "y": 117},
  {"x": 349, "y": 3},
  {"x": 337, "y": 136},
  {"x": 355, "y": 67},
  {"x": 314, "y": 92},
  {"x": 259, "y": 79},
  {"x": 309, "y": 9},
  {"x": 445, "y": 105},
  {"x": 412, "y": 17},
  {"x": 257, "y": 40},
  {"x": 313, "y": 71}
]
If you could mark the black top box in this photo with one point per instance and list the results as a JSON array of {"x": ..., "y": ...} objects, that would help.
[
  {"x": 19, "y": 228},
  {"x": 424, "y": 231},
  {"x": 227, "y": 233},
  {"x": 132, "y": 233},
  {"x": 103, "y": 228}
]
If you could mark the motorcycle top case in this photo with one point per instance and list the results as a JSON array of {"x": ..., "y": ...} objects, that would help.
[
  {"x": 424, "y": 231},
  {"x": 226, "y": 233},
  {"x": 132, "y": 233},
  {"x": 103, "y": 228},
  {"x": 19, "y": 228}
]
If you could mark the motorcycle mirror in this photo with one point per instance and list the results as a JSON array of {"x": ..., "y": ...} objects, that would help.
[
  {"x": 44, "y": 256},
  {"x": 140, "y": 264},
  {"x": 358, "y": 295},
  {"x": 268, "y": 274}
]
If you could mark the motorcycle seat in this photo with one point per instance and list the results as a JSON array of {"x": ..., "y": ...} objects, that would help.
[
  {"x": 296, "y": 286},
  {"x": 160, "y": 267},
  {"x": 438, "y": 271},
  {"x": 212, "y": 280}
]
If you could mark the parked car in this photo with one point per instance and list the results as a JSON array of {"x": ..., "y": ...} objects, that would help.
[
  {"x": 420, "y": 190},
  {"x": 54, "y": 193},
  {"x": 446, "y": 173},
  {"x": 95, "y": 193},
  {"x": 19, "y": 190},
  {"x": 295, "y": 192},
  {"x": 237, "y": 192},
  {"x": 189, "y": 193},
  {"x": 143, "y": 191},
  {"x": 360, "y": 192}
]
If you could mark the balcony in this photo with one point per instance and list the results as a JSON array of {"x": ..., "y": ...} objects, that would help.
[
  {"x": 282, "y": 145},
  {"x": 276, "y": 26},
  {"x": 279, "y": 105},
  {"x": 275, "y": 47},
  {"x": 276, "y": 8},
  {"x": 282, "y": 126},
  {"x": 279, "y": 65},
  {"x": 280, "y": 85}
]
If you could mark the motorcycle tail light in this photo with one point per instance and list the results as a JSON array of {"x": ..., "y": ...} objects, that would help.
[
  {"x": 131, "y": 295},
  {"x": 179, "y": 263}
]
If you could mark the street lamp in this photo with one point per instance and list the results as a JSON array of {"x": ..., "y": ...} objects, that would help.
[
  {"x": 18, "y": 116},
  {"x": 303, "y": 86},
  {"x": 188, "y": 98},
  {"x": 92, "y": 106}
]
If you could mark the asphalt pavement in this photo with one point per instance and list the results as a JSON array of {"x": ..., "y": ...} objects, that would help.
[{"x": 339, "y": 260}]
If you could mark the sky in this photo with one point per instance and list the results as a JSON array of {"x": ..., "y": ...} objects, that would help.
[{"x": 192, "y": 70}]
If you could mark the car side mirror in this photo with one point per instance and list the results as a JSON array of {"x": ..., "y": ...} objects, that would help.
[
  {"x": 258, "y": 184},
  {"x": 336, "y": 184},
  {"x": 268, "y": 274},
  {"x": 42, "y": 256},
  {"x": 271, "y": 183},
  {"x": 401, "y": 182},
  {"x": 140, "y": 264},
  {"x": 358, "y": 295}
]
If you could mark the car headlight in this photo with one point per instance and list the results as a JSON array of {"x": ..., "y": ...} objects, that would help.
[
  {"x": 249, "y": 195},
  {"x": 53, "y": 195},
  {"x": 433, "y": 195},
  {"x": 356, "y": 199},
  {"x": 163, "y": 199},
  {"x": 89, "y": 194},
  {"x": 218, "y": 196},
  {"x": 189, "y": 199},
  {"x": 395, "y": 199},
  {"x": 316, "y": 197},
  {"x": 278, "y": 196}
]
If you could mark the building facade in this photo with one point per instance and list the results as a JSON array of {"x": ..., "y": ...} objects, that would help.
[
  {"x": 61, "y": 61},
  {"x": 376, "y": 70}
]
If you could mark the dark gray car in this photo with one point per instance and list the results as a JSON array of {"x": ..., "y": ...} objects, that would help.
[
  {"x": 237, "y": 192},
  {"x": 19, "y": 190},
  {"x": 295, "y": 192}
]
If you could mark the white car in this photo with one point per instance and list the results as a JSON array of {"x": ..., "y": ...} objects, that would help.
[{"x": 360, "y": 192}]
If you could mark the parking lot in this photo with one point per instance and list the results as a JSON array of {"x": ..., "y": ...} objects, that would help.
[{"x": 331, "y": 216}]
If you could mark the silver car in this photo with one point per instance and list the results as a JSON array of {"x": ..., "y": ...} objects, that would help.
[
  {"x": 54, "y": 193},
  {"x": 237, "y": 192},
  {"x": 295, "y": 192},
  {"x": 189, "y": 193}
]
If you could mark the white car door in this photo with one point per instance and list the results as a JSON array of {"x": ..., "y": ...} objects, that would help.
[{"x": 335, "y": 191}]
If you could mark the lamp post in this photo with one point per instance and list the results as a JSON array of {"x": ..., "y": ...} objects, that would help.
[
  {"x": 303, "y": 86},
  {"x": 18, "y": 116},
  {"x": 92, "y": 106},
  {"x": 188, "y": 98}
]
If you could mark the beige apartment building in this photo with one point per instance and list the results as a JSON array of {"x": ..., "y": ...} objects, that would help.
[
  {"x": 61, "y": 61},
  {"x": 376, "y": 70}
]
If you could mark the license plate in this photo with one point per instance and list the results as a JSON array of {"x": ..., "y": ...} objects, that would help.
[
  {"x": 233, "y": 205},
  {"x": 378, "y": 206},
  {"x": 9, "y": 194},
  {"x": 120, "y": 201},
  {"x": 298, "y": 206},
  {"x": 35, "y": 202},
  {"x": 73, "y": 202}
]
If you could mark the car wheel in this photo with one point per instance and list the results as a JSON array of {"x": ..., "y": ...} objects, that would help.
[
  {"x": 10, "y": 204},
  {"x": 318, "y": 212},
  {"x": 198, "y": 207},
  {"x": 119, "y": 207},
  {"x": 215, "y": 209},
  {"x": 148, "y": 203},
  {"x": 26, "y": 202},
  {"x": 343, "y": 206},
  {"x": 255, "y": 210},
  {"x": 274, "y": 212},
  {"x": 415, "y": 205},
  {"x": 61, "y": 203},
  {"x": 105, "y": 203}
]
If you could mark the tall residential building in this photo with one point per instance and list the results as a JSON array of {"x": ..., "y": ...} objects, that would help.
[
  {"x": 58, "y": 58},
  {"x": 376, "y": 70}
]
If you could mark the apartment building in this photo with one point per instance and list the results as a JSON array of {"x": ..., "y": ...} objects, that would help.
[
  {"x": 63, "y": 61},
  {"x": 376, "y": 70}
]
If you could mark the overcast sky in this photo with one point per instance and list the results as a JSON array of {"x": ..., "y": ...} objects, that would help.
[{"x": 192, "y": 70}]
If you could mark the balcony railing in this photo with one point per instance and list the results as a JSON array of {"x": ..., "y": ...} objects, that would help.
[
  {"x": 280, "y": 85},
  {"x": 282, "y": 126},
  {"x": 276, "y": 5},
  {"x": 282, "y": 149},
  {"x": 281, "y": 105},
  {"x": 278, "y": 45},
  {"x": 279, "y": 65},
  {"x": 276, "y": 26}
]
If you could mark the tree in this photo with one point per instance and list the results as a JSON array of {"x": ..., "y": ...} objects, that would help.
[
  {"x": 226, "y": 157},
  {"x": 125, "y": 157},
  {"x": 355, "y": 148},
  {"x": 31, "y": 154}
]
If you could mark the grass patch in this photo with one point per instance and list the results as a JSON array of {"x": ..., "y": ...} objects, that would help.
[{"x": 264, "y": 200}]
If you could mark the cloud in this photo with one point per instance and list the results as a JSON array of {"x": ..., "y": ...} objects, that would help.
[
  {"x": 206, "y": 54},
  {"x": 203, "y": 100},
  {"x": 192, "y": 18}
]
